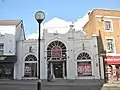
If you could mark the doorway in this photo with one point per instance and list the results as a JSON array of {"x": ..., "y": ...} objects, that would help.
[{"x": 58, "y": 69}]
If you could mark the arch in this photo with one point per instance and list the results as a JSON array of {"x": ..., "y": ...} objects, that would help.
[
  {"x": 86, "y": 51},
  {"x": 30, "y": 57},
  {"x": 29, "y": 54},
  {"x": 56, "y": 49},
  {"x": 56, "y": 39},
  {"x": 30, "y": 65},
  {"x": 83, "y": 56},
  {"x": 84, "y": 64}
]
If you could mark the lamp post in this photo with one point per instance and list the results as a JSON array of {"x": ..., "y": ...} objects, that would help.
[{"x": 39, "y": 16}]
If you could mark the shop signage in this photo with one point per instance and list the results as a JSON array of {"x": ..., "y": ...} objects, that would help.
[
  {"x": 84, "y": 69},
  {"x": 11, "y": 58},
  {"x": 56, "y": 52},
  {"x": 2, "y": 58},
  {"x": 112, "y": 59}
]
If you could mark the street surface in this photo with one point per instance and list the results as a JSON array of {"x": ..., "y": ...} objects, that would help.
[
  {"x": 55, "y": 85},
  {"x": 33, "y": 87}
]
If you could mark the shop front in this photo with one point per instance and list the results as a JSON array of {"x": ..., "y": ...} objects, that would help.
[
  {"x": 111, "y": 63},
  {"x": 7, "y": 67}
]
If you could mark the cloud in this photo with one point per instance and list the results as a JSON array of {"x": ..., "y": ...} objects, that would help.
[{"x": 60, "y": 26}]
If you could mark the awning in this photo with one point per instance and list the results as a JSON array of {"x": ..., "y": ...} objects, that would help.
[{"x": 112, "y": 59}]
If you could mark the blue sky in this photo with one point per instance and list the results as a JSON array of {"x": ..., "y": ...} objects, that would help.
[{"x": 65, "y": 9}]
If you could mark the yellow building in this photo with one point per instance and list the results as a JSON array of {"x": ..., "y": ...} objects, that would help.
[{"x": 105, "y": 24}]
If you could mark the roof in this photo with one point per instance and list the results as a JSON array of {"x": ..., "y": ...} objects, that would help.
[
  {"x": 107, "y": 9},
  {"x": 10, "y": 22}
]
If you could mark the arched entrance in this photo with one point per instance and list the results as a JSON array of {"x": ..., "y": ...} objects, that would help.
[
  {"x": 84, "y": 64},
  {"x": 56, "y": 57},
  {"x": 30, "y": 67}
]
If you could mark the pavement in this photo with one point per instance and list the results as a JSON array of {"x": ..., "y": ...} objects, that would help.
[
  {"x": 112, "y": 85},
  {"x": 57, "y": 84},
  {"x": 62, "y": 82}
]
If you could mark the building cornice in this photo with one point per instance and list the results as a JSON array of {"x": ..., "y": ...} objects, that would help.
[{"x": 102, "y": 16}]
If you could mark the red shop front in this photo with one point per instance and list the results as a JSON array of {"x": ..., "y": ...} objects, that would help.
[{"x": 112, "y": 60}]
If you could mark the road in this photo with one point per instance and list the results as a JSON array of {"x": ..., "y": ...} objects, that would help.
[{"x": 55, "y": 87}]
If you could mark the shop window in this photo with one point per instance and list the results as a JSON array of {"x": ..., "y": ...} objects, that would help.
[
  {"x": 30, "y": 68},
  {"x": 110, "y": 45},
  {"x": 84, "y": 66}
]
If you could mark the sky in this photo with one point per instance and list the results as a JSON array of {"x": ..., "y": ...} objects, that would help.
[{"x": 69, "y": 10}]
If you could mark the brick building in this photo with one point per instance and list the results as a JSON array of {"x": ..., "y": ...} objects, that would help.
[{"x": 106, "y": 25}]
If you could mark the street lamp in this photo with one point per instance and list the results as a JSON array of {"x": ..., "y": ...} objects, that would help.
[{"x": 39, "y": 16}]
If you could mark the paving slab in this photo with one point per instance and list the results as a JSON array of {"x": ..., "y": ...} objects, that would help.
[{"x": 111, "y": 85}]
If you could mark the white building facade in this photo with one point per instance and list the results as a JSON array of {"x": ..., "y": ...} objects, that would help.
[
  {"x": 71, "y": 55},
  {"x": 11, "y": 31},
  {"x": 66, "y": 53}
]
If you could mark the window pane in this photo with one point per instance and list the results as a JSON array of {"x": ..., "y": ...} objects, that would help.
[
  {"x": 110, "y": 45},
  {"x": 107, "y": 25}
]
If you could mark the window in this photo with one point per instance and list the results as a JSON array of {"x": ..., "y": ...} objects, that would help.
[
  {"x": 110, "y": 45},
  {"x": 30, "y": 69},
  {"x": 84, "y": 68},
  {"x": 56, "y": 50},
  {"x": 108, "y": 25},
  {"x": 1, "y": 49},
  {"x": 84, "y": 65},
  {"x": 83, "y": 56}
]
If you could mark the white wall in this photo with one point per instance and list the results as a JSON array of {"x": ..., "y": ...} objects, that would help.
[
  {"x": 23, "y": 51},
  {"x": 20, "y": 34},
  {"x": 9, "y": 29},
  {"x": 9, "y": 43}
]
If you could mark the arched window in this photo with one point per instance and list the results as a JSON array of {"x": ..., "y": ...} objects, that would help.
[
  {"x": 84, "y": 65},
  {"x": 31, "y": 58},
  {"x": 30, "y": 69},
  {"x": 56, "y": 50},
  {"x": 83, "y": 56}
]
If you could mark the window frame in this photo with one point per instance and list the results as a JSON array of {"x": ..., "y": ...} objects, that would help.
[
  {"x": 111, "y": 30},
  {"x": 84, "y": 61},
  {"x": 114, "y": 50}
]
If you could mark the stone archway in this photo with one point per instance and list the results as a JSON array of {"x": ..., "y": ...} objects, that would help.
[
  {"x": 56, "y": 58},
  {"x": 30, "y": 66},
  {"x": 84, "y": 64}
]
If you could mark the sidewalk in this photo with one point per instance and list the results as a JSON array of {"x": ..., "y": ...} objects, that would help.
[
  {"x": 111, "y": 85},
  {"x": 54, "y": 82}
]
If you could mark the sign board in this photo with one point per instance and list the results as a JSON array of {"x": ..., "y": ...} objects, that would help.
[
  {"x": 2, "y": 58},
  {"x": 84, "y": 69},
  {"x": 56, "y": 52}
]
